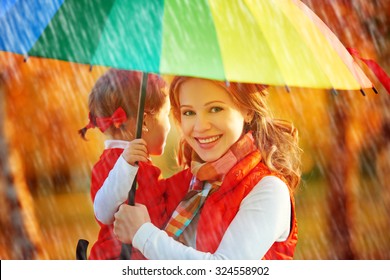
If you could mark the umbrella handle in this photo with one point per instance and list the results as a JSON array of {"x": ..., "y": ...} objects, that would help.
[
  {"x": 126, "y": 248},
  {"x": 81, "y": 249}
]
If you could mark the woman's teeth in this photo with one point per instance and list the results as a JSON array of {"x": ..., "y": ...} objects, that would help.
[{"x": 208, "y": 140}]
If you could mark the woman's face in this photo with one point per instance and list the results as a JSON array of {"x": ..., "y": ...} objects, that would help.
[{"x": 210, "y": 121}]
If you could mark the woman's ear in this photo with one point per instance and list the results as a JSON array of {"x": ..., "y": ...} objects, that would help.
[{"x": 249, "y": 116}]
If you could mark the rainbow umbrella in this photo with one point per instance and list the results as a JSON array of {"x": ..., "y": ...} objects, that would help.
[{"x": 274, "y": 42}]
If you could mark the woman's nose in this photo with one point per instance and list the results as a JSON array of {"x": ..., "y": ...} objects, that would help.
[{"x": 202, "y": 123}]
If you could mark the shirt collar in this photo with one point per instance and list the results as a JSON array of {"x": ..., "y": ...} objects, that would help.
[{"x": 112, "y": 144}]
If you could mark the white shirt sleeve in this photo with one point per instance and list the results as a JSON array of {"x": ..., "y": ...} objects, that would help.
[
  {"x": 263, "y": 218},
  {"x": 114, "y": 191}
]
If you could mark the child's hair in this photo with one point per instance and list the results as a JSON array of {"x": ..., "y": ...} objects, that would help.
[
  {"x": 120, "y": 89},
  {"x": 276, "y": 139}
]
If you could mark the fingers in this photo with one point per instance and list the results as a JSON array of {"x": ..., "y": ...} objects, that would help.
[
  {"x": 136, "y": 151},
  {"x": 137, "y": 145},
  {"x": 138, "y": 141},
  {"x": 120, "y": 224},
  {"x": 128, "y": 219},
  {"x": 132, "y": 159}
]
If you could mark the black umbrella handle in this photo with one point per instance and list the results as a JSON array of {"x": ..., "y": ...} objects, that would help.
[
  {"x": 81, "y": 249},
  {"x": 126, "y": 248}
]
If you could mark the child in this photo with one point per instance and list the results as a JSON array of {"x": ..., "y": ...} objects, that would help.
[{"x": 113, "y": 105}]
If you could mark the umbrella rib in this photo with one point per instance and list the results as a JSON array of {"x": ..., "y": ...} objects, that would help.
[
  {"x": 93, "y": 53},
  {"x": 266, "y": 41},
  {"x": 286, "y": 17},
  {"x": 344, "y": 53},
  {"x": 218, "y": 41},
  {"x": 312, "y": 52}
]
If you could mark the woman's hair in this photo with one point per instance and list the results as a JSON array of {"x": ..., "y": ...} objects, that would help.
[
  {"x": 121, "y": 88},
  {"x": 276, "y": 139}
]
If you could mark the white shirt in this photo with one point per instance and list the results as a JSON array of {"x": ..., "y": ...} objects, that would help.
[
  {"x": 264, "y": 217},
  {"x": 115, "y": 188}
]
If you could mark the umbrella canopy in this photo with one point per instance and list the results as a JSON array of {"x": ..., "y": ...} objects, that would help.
[{"x": 274, "y": 42}]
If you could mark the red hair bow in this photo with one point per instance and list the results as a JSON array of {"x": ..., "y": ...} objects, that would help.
[{"x": 118, "y": 117}]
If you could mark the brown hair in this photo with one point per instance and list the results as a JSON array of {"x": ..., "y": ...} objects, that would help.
[
  {"x": 120, "y": 88},
  {"x": 276, "y": 139}
]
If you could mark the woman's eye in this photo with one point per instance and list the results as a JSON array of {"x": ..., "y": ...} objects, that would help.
[
  {"x": 215, "y": 109},
  {"x": 188, "y": 113}
]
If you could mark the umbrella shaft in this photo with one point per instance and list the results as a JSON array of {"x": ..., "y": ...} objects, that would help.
[{"x": 126, "y": 249}]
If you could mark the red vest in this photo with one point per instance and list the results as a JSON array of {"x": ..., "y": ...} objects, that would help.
[
  {"x": 222, "y": 206},
  {"x": 151, "y": 192}
]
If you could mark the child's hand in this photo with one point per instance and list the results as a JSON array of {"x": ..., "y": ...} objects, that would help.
[
  {"x": 128, "y": 220},
  {"x": 136, "y": 151}
]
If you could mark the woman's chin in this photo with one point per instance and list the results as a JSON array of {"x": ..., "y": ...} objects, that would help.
[{"x": 209, "y": 157}]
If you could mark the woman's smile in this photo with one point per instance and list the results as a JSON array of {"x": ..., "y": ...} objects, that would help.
[
  {"x": 208, "y": 142},
  {"x": 210, "y": 120}
]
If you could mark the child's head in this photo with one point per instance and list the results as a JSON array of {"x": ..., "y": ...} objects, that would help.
[
  {"x": 276, "y": 139},
  {"x": 116, "y": 95}
]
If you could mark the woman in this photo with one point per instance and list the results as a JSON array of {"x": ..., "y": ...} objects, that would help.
[{"x": 245, "y": 167}]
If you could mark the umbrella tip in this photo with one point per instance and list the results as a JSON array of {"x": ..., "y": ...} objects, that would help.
[
  {"x": 287, "y": 88},
  {"x": 25, "y": 58},
  {"x": 90, "y": 67},
  {"x": 227, "y": 83},
  {"x": 362, "y": 92},
  {"x": 374, "y": 89},
  {"x": 334, "y": 91}
]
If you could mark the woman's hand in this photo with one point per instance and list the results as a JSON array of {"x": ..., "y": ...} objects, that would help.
[
  {"x": 136, "y": 151},
  {"x": 128, "y": 220}
]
